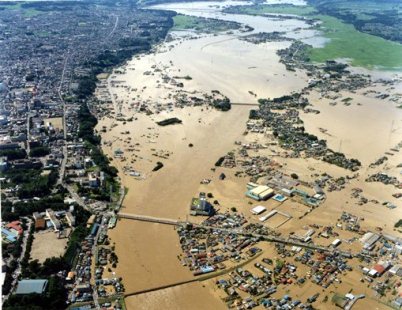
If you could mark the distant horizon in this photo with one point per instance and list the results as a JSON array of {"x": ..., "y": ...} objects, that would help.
[{"x": 38, "y": 0}]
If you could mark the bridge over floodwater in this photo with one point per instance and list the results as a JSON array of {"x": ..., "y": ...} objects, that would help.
[{"x": 173, "y": 222}]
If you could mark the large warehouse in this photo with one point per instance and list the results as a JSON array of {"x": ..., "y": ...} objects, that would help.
[{"x": 259, "y": 192}]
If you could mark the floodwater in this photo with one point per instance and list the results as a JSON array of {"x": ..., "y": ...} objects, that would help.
[
  {"x": 241, "y": 71},
  {"x": 294, "y": 28}
]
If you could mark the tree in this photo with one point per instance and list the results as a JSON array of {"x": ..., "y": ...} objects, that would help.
[
  {"x": 34, "y": 268},
  {"x": 53, "y": 265},
  {"x": 13, "y": 154},
  {"x": 39, "y": 151}
]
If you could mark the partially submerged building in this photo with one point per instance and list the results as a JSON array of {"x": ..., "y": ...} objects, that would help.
[
  {"x": 259, "y": 192},
  {"x": 258, "y": 210},
  {"x": 200, "y": 206},
  {"x": 369, "y": 240}
]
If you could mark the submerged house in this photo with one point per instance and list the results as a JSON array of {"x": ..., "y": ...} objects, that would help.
[{"x": 200, "y": 206}]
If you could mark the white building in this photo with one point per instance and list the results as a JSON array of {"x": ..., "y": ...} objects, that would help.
[{"x": 258, "y": 210}]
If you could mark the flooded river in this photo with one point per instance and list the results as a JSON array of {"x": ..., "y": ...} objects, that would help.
[{"x": 241, "y": 71}]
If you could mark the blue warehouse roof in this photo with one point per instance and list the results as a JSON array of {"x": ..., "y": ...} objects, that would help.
[{"x": 31, "y": 286}]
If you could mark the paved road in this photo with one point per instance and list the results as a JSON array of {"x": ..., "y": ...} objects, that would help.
[
  {"x": 64, "y": 160},
  {"x": 28, "y": 130},
  {"x": 63, "y": 165},
  {"x": 61, "y": 97},
  {"x": 114, "y": 27},
  {"x": 77, "y": 198}
]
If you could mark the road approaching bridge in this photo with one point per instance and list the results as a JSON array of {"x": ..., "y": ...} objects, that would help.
[{"x": 238, "y": 231}]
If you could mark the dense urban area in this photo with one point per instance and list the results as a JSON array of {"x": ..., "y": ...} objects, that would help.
[{"x": 54, "y": 175}]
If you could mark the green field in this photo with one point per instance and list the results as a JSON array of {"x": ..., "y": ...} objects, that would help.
[
  {"x": 27, "y": 12},
  {"x": 362, "y": 49},
  {"x": 185, "y": 22},
  {"x": 30, "y": 12},
  {"x": 11, "y": 6},
  {"x": 381, "y": 18},
  {"x": 363, "y": 9}
]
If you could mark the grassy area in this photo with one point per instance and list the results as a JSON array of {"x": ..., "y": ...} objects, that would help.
[
  {"x": 11, "y": 6},
  {"x": 27, "y": 12},
  {"x": 207, "y": 25},
  {"x": 381, "y": 18},
  {"x": 362, "y": 49},
  {"x": 368, "y": 6},
  {"x": 31, "y": 12}
]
